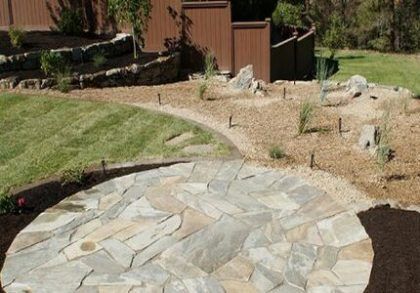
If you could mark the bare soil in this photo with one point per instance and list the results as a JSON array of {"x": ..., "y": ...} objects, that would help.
[
  {"x": 37, "y": 40},
  {"x": 261, "y": 122}
]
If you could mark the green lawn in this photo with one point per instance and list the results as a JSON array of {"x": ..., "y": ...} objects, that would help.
[
  {"x": 387, "y": 69},
  {"x": 41, "y": 136}
]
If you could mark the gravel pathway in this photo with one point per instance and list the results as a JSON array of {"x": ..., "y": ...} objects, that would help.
[{"x": 209, "y": 226}]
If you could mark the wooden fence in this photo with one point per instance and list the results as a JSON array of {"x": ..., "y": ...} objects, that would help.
[{"x": 197, "y": 27}]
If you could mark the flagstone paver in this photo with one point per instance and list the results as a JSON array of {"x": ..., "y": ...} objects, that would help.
[{"x": 209, "y": 226}]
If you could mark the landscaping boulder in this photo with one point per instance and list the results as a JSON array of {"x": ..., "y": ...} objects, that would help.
[
  {"x": 257, "y": 87},
  {"x": 243, "y": 80},
  {"x": 368, "y": 137},
  {"x": 356, "y": 85}
]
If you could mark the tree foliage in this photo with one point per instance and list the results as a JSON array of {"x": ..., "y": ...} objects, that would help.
[
  {"x": 135, "y": 13},
  {"x": 334, "y": 37},
  {"x": 288, "y": 14}
]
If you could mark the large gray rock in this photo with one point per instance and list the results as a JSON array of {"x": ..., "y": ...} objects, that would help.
[
  {"x": 357, "y": 85},
  {"x": 243, "y": 79},
  {"x": 368, "y": 137}
]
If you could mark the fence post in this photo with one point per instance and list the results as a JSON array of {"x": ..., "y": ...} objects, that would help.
[
  {"x": 295, "y": 43},
  {"x": 10, "y": 9}
]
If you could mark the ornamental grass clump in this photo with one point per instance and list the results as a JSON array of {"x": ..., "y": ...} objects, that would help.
[
  {"x": 305, "y": 117},
  {"x": 384, "y": 151}
]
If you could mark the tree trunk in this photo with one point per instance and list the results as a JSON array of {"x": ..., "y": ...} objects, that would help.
[{"x": 134, "y": 43}]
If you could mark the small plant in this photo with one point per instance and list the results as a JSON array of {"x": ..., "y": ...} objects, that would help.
[
  {"x": 99, "y": 60},
  {"x": 70, "y": 22},
  {"x": 74, "y": 174},
  {"x": 202, "y": 89},
  {"x": 276, "y": 153},
  {"x": 384, "y": 151},
  {"x": 63, "y": 79},
  {"x": 305, "y": 116},
  {"x": 7, "y": 204},
  {"x": 209, "y": 66},
  {"x": 323, "y": 72},
  {"x": 52, "y": 62},
  {"x": 16, "y": 36}
]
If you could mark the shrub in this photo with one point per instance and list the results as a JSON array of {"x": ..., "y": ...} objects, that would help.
[
  {"x": 63, "y": 79},
  {"x": 16, "y": 36},
  {"x": 99, "y": 59},
  {"x": 52, "y": 62},
  {"x": 334, "y": 37},
  {"x": 70, "y": 22},
  {"x": 384, "y": 151},
  {"x": 202, "y": 89},
  {"x": 209, "y": 66},
  {"x": 276, "y": 152},
  {"x": 305, "y": 116},
  {"x": 288, "y": 14},
  {"x": 74, "y": 174},
  {"x": 7, "y": 205}
]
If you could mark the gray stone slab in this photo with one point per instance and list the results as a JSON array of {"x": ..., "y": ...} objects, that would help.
[
  {"x": 101, "y": 263},
  {"x": 120, "y": 252},
  {"x": 300, "y": 264},
  {"x": 203, "y": 285}
]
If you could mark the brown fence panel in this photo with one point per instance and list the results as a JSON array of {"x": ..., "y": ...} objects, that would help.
[
  {"x": 252, "y": 46},
  {"x": 4, "y": 13},
  {"x": 207, "y": 30},
  {"x": 283, "y": 60},
  {"x": 165, "y": 25},
  {"x": 305, "y": 55}
]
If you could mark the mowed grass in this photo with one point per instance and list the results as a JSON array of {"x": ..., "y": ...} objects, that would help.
[
  {"x": 41, "y": 136},
  {"x": 387, "y": 69}
]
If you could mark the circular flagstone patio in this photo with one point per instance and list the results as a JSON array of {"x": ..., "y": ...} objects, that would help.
[{"x": 196, "y": 227}]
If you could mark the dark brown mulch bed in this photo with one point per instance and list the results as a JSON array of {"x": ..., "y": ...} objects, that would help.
[
  {"x": 85, "y": 68},
  {"x": 395, "y": 236},
  {"x": 36, "y": 40}
]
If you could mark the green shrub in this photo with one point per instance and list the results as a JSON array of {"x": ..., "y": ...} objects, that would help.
[
  {"x": 334, "y": 37},
  {"x": 63, "y": 78},
  {"x": 288, "y": 14},
  {"x": 276, "y": 153},
  {"x": 209, "y": 66},
  {"x": 99, "y": 60},
  {"x": 305, "y": 116},
  {"x": 74, "y": 174},
  {"x": 52, "y": 62},
  {"x": 202, "y": 89},
  {"x": 384, "y": 151},
  {"x": 16, "y": 36},
  {"x": 7, "y": 204},
  {"x": 70, "y": 22}
]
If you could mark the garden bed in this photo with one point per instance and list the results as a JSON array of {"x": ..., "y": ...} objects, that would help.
[
  {"x": 86, "y": 68},
  {"x": 395, "y": 238},
  {"x": 47, "y": 40}
]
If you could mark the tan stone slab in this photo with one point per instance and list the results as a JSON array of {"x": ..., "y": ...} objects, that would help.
[
  {"x": 353, "y": 272},
  {"x": 322, "y": 278},
  {"x": 232, "y": 286},
  {"x": 307, "y": 233},
  {"x": 109, "y": 200},
  {"x": 25, "y": 240},
  {"x": 81, "y": 248},
  {"x": 239, "y": 268},
  {"x": 85, "y": 229},
  {"x": 109, "y": 229},
  {"x": 139, "y": 226},
  {"x": 192, "y": 222},
  {"x": 160, "y": 198},
  {"x": 358, "y": 251},
  {"x": 114, "y": 289}
]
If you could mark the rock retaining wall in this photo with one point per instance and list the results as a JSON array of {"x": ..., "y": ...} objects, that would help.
[
  {"x": 164, "y": 69},
  {"x": 120, "y": 45}
]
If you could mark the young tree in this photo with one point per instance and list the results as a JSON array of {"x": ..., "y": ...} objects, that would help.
[
  {"x": 334, "y": 37},
  {"x": 135, "y": 13},
  {"x": 288, "y": 14}
]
